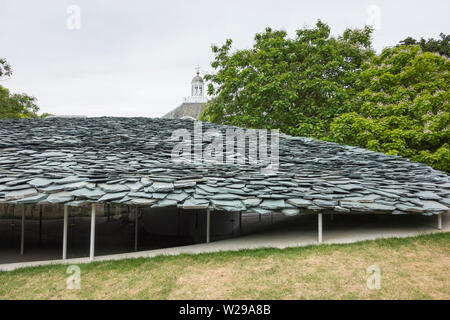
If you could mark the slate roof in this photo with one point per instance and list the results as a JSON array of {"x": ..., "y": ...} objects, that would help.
[
  {"x": 128, "y": 160},
  {"x": 186, "y": 109}
]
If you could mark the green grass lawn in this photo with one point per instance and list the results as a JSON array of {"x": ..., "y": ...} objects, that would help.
[{"x": 411, "y": 268}]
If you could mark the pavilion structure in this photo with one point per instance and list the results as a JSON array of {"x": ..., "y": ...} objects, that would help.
[{"x": 102, "y": 162}]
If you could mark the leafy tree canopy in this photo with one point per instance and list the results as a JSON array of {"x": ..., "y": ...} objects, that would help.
[
  {"x": 441, "y": 46},
  {"x": 404, "y": 108},
  {"x": 15, "y": 105},
  {"x": 295, "y": 84},
  {"x": 5, "y": 68}
]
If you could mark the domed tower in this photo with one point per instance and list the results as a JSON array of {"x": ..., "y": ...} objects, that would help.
[
  {"x": 193, "y": 105},
  {"x": 197, "y": 86},
  {"x": 197, "y": 90}
]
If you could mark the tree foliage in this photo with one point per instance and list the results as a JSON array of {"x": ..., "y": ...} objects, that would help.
[
  {"x": 404, "y": 107},
  {"x": 297, "y": 85},
  {"x": 441, "y": 46},
  {"x": 15, "y": 105},
  {"x": 5, "y": 68}
]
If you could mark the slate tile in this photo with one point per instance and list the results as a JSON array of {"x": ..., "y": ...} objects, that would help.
[
  {"x": 59, "y": 197},
  {"x": 112, "y": 196},
  {"x": 20, "y": 194}
]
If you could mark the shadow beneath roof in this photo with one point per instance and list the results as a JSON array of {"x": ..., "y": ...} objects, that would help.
[{"x": 170, "y": 227}]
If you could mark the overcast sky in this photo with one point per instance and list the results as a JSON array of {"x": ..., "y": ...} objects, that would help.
[{"x": 137, "y": 58}]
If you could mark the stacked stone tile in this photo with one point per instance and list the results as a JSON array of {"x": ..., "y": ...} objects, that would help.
[{"x": 75, "y": 161}]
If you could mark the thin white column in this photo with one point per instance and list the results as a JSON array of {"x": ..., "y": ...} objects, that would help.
[
  {"x": 439, "y": 221},
  {"x": 136, "y": 230},
  {"x": 240, "y": 223},
  {"x": 208, "y": 225},
  {"x": 320, "y": 227},
  {"x": 40, "y": 224},
  {"x": 64, "y": 254},
  {"x": 22, "y": 234},
  {"x": 92, "y": 247}
]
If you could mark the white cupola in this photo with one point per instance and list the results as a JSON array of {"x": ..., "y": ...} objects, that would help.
[
  {"x": 197, "y": 90},
  {"x": 197, "y": 86}
]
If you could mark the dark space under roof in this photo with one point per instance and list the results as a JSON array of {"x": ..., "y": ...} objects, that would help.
[{"x": 128, "y": 160}]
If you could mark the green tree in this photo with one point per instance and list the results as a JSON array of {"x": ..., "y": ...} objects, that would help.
[
  {"x": 404, "y": 108},
  {"x": 441, "y": 46},
  {"x": 295, "y": 84},
  {"x": 15, "y": 105},
  {"x": 5, "y": 68}
]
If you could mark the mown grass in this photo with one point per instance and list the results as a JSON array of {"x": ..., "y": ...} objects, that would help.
[{"x": 411, "y": 268}]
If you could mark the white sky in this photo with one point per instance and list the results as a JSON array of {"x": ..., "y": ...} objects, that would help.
[{"x": 137, "y": 58}]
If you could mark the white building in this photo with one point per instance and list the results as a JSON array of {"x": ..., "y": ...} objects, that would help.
[{"x": 193, "y": 105}]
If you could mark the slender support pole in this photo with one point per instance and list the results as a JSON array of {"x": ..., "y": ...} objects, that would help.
[
  {"x": 92, "y": 247},
  {"x": 66, "y": 214},
  {"x": 40, "y": 224},
  {"x": 332, "y": 217},
  {"x": 136, "y": 230},
  {"x": 208, "y": 225},
  {"x": 178, "y": 221},
  {"x": 240, "y": 223},
  {"x": 320, "y": 227},
  {"x": 439, "y": 221},
  {"x": 232, "y": 224},
  {"x": 260, "y": 217},
  {"x": 196, "y": 222},
  {"x": 22, "y": 235},
  {"x": 13, "y": 223}
]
